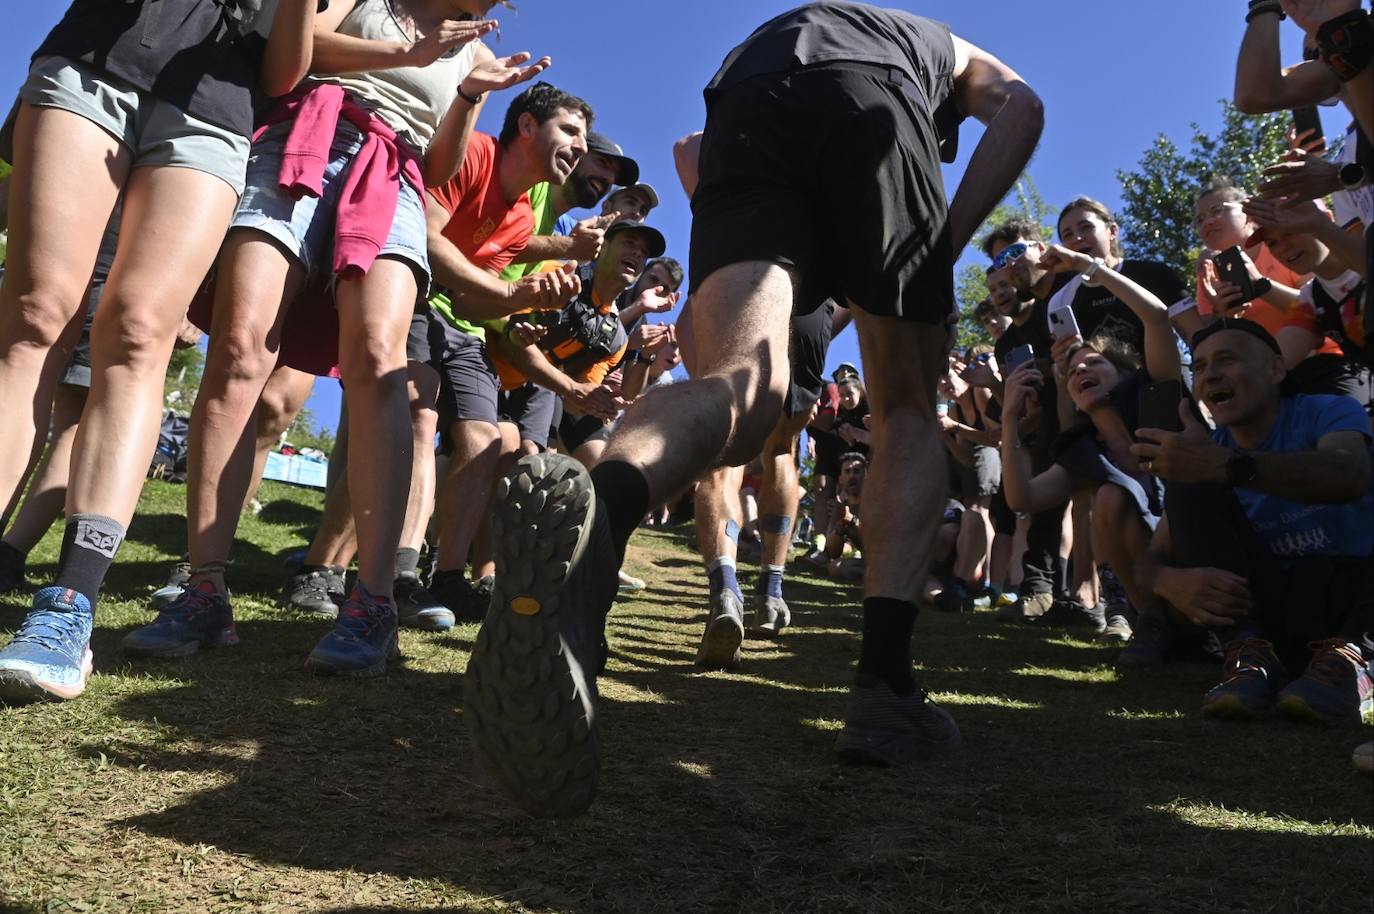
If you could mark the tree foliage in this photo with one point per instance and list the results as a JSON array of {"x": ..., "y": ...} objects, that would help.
[
  {"x": 183, "y": 378},
  {"x": 1157, "y": 197},
  {"x": 970, "y": 282},
  {"x": 306, "y": 432}
]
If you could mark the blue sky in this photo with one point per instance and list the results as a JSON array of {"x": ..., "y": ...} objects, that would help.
[{"x": 1112, "y": 75}]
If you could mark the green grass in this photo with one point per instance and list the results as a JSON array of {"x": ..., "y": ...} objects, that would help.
[{"x": 234, "y": 781}]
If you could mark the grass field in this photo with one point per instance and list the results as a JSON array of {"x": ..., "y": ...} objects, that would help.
[{"x": 235, "y": 781}]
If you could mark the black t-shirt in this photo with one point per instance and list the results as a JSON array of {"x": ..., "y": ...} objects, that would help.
[
  {"x": 1036, "y": 333},
  {"x": 203, "y": 56},
  {"x": 832, "y": 31},
  {"x": 1100, "y": 313}
]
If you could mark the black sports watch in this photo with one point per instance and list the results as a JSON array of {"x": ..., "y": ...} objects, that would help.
[
  {"x": 1241, "y": 468},
  {"x": 1351, "y": 175}
]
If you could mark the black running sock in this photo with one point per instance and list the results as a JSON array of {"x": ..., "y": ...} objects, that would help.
[
  {"x": 886, "y": 652},
  {"x": 407, "y": 561},
  {"x": 88, "y": 550},
  {"x": 624, "y": 492}
]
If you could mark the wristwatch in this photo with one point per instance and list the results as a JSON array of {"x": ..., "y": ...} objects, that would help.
[
  {"x": 1352, "y": 175},
  {"x": 1241, "y": 468},
  {"x": 1097, "y": 264}
]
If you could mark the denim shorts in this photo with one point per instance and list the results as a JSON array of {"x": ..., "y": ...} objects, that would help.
[
  {"x": 305, "y": 227},
  {"x": 155, "y": 131}
]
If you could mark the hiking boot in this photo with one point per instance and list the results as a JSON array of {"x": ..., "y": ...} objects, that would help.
[
  {"x": 1072, "y": 614},
  {"x": 50, "y": 656},
  {"x": 1152, "y": 643},
  {"x": 530, "y": 692},
  {"x": 416, "y": 607},
  {"x": 884, "y": 728},
  {"x": 720, "y": 642},
  {"x": 1363, "y": 757},
  {"x": 1253, "y": 679},
  {"x": 1117, "y": 629},
  {"x": 315, "y": 591},
  {"x": 1027, "y": 608},
  {"x": 630, "y": 583},
  {"x": 1335, "y": 689},
  {"x": 362, "y": 641},
  {"x": 479, "y": 598},
  {"x": 200, "y": 617},
  {"x": 769, "y": 616},
  {"x": 12, "y": 566},
  {"x": 175, "y": 587}
]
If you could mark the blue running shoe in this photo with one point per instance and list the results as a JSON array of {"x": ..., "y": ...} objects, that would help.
[
  {"x": 50, "y": 656},
  {"x": 1336, "y": 688},
  {"x": 417, "y": 607},
  {"x": 200, "y": 617},
  {"x": 1251, "y": 687},
  {"x": 363, "y": 639}
]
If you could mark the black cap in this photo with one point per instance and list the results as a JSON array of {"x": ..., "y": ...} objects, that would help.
[
  {"x": 1244, "y": 326},
  {"x": 657, "y": 243},
  {"x": 627, "y": 171}
]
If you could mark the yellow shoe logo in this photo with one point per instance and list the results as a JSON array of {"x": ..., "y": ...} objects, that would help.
[{"x": 525, "y": 606}]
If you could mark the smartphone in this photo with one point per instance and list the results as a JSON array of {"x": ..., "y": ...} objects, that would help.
[
  {"x": 1063, "y": 324},
  {"x": 1231, "y": 268},
  {"x": 1017, "y": 357},
  {"x": 1159, "y": 406},
  {"x": 1308, "y": 118}
]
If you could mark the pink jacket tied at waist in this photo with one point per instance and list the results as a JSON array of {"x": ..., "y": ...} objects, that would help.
[{"x": 367, "y": 200}]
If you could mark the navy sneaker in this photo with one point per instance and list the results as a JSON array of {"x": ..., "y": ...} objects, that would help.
[
  {"x": 175, "y": 586},
  {"x": 1336, "y": 688},
  {"x": 417, "y": 607},
  {"x": 884, "y": 728},
  {"x": 724, "y": 634},
  {"x": 530, "y": 693},
  {"x": 50, "y": 656},
  {"x": 12, "y": 566},
  {"x": 362, "y": 641},
  {"x": 200, "y": 617},
  {"x": 952, "y": 599},
  {"x": 1254, "y": 677}
]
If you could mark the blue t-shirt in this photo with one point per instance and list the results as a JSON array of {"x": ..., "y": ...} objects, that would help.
[
  {"x": 565, "y": 224},
  {"x": 1293, "y": 529}
]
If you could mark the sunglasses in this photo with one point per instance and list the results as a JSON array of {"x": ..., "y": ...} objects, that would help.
[
  {"x": 1213, "y": 212},
  {"x": 1011, "y": 252}
]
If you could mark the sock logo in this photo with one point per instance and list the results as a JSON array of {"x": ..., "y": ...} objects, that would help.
[{"x": 90, "y": 537}]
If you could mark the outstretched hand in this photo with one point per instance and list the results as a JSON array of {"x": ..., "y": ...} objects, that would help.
[
  {"x": 451, "y": 33},
  {"x": 502, "y": 73},
  {"x": 589, "y": 234},
  {"x": 1301, "y": 175},
  {"x": 1309, "y": 15}
]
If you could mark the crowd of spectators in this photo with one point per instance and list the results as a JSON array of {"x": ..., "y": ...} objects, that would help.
[{"x": 1183, "y": 468}]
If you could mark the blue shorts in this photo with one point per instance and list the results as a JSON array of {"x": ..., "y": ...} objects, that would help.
[{"x": 305, "y": 227}]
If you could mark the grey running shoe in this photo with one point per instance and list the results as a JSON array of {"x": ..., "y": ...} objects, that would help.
[
  {"x": 1117, "y": 629},
  {"x": 529, "y": 696},
  {"x": 417, "y": 607},
  {"x": 165, "y": 595},
  {"x": 313, "y": 590},
  {"x": 770, "y": 616},
  {"x": 1028, "y": 608},
  {"x": 884, "y": 728},
  {"x": 720, "y": 643},
  {"x": 12, "y": 566}
]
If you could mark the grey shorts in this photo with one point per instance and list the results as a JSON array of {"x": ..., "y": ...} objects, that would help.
[
  {"x": 984, "y": 478},
  {"x": 77, "y": 373},
  {"x": 155, "y": 131},
  {"x": 468, "y": 383},
  {"x": 530, "y": 408}
]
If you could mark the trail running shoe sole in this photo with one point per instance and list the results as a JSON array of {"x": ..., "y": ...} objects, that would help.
[
  {"x": 528, "y": 700},
  {"x": 724, "y": 635}
]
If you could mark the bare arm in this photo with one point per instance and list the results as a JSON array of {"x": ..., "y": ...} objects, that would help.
[
  {"x": 290, "y": 46},
  {"x": 1358, "y": 92},
  {"x": 582, "y": 244},
  {"x": 686, "y": 151},
  {"x": 1263, "y": 84},
  {"x": 992, "y": 92}
]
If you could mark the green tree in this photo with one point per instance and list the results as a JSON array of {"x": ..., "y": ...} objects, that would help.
[
  {"x": 306, "y": 432},
  {"x": 970, "y": 282},
  {"x": 1157, "y": 197}
]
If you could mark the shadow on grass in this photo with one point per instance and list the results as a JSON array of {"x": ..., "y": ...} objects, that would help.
[{"x": 1074, "y": 790}]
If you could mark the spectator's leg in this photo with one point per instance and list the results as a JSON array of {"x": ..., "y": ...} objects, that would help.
[
  {"x": 466, "y": 492},
  {"x": 48, "y": 491},
  {"x": 1083, "y": 566},
  {"x": 422, "y": 389},
  {"x": 281, "y": 402}
]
